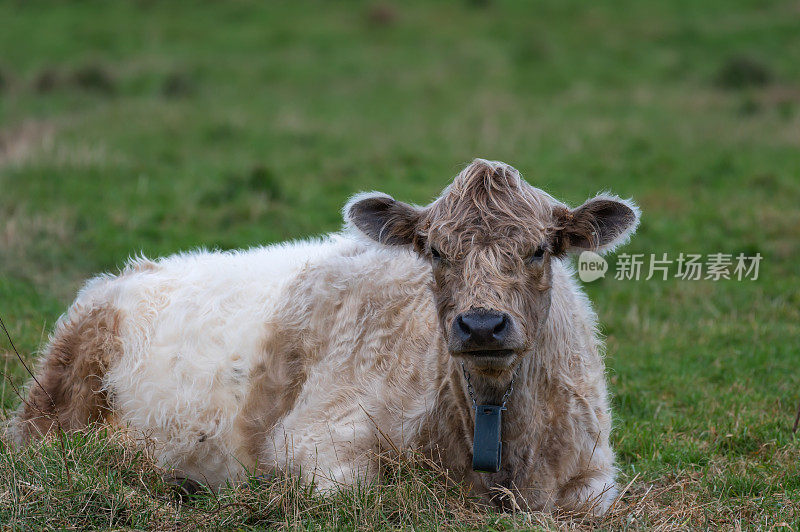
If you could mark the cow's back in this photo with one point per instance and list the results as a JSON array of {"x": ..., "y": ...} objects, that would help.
[{"x": 213, "y": 348}]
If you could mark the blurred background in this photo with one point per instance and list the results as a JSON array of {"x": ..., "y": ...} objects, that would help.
[{"x": 152, "y": 127}]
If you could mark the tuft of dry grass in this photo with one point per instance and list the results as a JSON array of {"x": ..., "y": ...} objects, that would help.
[
  {"x": 116, "y": 483},
  {"x": 20, "y": 142}
]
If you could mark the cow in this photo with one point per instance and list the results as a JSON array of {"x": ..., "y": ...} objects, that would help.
[{"x": 411, "y": 326}]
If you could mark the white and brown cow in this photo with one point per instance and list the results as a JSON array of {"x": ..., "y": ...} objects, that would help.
[{"x": 302, "y": 357}]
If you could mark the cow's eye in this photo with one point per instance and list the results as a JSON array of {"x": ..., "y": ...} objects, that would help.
[
  {"x": 435, "y": 254},
  {"x": 536, "y": 256}
]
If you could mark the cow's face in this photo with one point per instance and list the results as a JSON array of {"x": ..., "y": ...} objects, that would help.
[{"x": 491, "y": 240}]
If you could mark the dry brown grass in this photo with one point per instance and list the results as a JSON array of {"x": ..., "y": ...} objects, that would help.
[{"x": 115, "y": 480}]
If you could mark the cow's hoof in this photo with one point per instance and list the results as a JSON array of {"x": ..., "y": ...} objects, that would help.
[{"x": 183, "y": 488}]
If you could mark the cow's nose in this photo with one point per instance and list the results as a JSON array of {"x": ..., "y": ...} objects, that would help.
[{"x": 482, "y": 328}]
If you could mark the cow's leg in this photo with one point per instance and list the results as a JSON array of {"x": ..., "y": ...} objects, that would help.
[
  {"x": 592, "y": 490},
  {"x": 68, "y": 390},
  {"x": 333, "y": 453}
]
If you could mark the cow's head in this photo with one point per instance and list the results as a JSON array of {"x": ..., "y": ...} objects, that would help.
[{"x": 491, "y": 239}]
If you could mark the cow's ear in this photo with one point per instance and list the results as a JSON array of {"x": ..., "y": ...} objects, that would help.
[
  {"x": 601, "y": 224},
  {"x": 383, "y": 219}
]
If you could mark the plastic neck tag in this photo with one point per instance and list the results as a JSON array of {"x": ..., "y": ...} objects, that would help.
[{"x": 486, "y": 445}]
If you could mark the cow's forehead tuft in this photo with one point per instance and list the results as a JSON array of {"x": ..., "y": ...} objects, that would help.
[
  {"x": 491, "y": 196},
  {"x": 489, "y": 205},
  {"x": 483, "y": 177}
]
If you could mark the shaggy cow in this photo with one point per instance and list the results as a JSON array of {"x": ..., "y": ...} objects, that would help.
[{"x": 306, "y": 357}]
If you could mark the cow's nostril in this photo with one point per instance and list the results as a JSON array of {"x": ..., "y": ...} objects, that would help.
[
  {"x": 463, "y": 329},
  {"x": 499, "y": 331}
]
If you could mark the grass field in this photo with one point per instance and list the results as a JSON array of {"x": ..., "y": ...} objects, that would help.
[{"x": 144, "y": 127}]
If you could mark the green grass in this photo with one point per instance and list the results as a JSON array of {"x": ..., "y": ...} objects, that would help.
[{"x": 144, "y": 127}]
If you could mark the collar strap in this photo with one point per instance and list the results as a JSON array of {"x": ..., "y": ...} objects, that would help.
[{"x": 471, "y": 390}]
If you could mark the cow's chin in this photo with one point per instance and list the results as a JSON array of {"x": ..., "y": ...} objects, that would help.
[{"x": 493, "y": 364}]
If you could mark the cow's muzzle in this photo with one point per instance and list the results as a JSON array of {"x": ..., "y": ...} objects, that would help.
[{"x": 483, "y": 333}]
